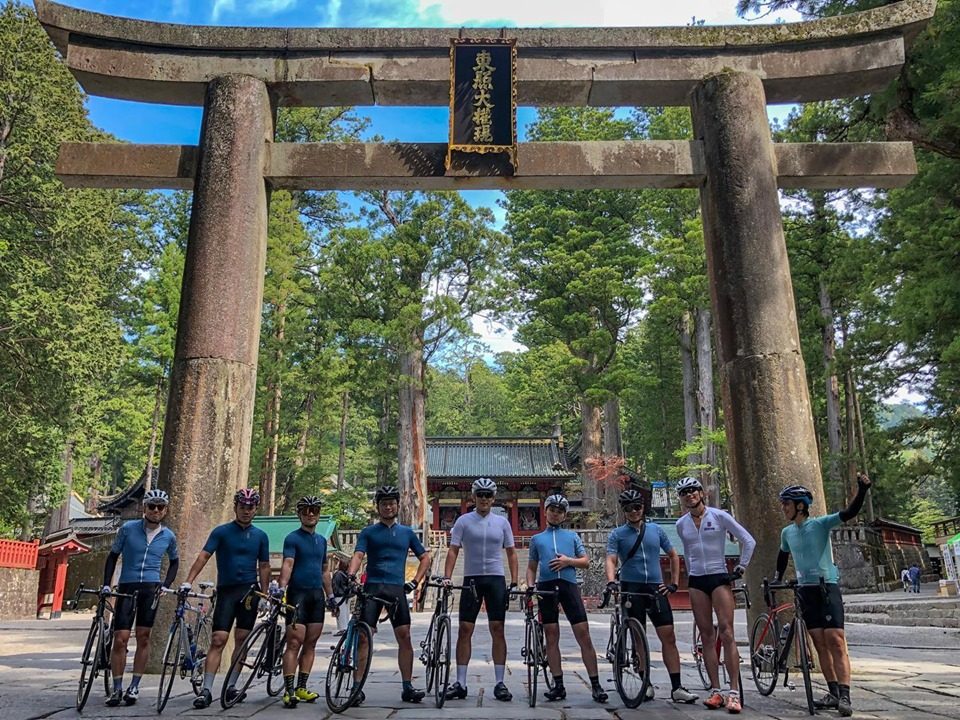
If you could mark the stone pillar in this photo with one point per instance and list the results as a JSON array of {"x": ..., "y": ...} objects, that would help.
[
  {"x": 206, "y": 439},
  {"x": 767, "y": 410}
]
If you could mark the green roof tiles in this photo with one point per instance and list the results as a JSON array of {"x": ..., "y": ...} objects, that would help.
[{"x": 496, "y": 457}]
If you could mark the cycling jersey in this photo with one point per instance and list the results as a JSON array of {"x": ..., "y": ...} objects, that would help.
[
  {"x": 482, "y": 539},
  {"x": 309, "y": 553},
  {"x": 644, "y": 566},
  {"x": 141, "y": 557},
  {"x": 809, "y": 543},
  {"x": 386, "y": 548},
  {"x": 704, "y": 548},
  {"x": 552, "y": 542},
  {"x": 238, "y": 550}
]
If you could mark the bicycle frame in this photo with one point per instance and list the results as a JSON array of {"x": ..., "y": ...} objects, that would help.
[
  {"x": 435, "y": 647},
  {"x": 96, "y": 659},
  {"x": 627, "y": 647}
]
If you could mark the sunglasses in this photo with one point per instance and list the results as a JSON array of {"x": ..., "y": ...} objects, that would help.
[
  {"x": 632, "y": 508},
  {"x": 688, "y": 491},
  {"x": 151, "y": 506},
  {"x": 312, "y": 510},
  {"x": 485, "y": 494},
  {"x": 246, "y": 506}
]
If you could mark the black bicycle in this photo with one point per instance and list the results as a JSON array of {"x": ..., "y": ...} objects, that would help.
[
  {"x": 187, "y": 643},
  {"x": 261, "y": 654},
  {"x": 435, "y": 647},
  {"x": 96, "y": 650},
  {"x": 534, "y": 651},
  {"x": 627, "y": 647}
]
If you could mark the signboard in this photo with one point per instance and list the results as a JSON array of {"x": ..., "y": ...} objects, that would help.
[
  {"x": 661, "y": 497},
  {"x": 483, "y": 98}
]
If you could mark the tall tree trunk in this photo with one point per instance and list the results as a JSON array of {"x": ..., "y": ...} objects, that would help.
[
  {"x": 383, "y": 427},
  {"x": 612, "y": 439},
  {"x": 706, "y": 402},
  {"x": 268, "y": 474},
  {"x": 342, "y": 456},
  {"x": 64, "y": 519},
  {"x": 411, "y": 443},
  {"x": 851, "y": 424},
  {"x": 300, "y": 454},
  {"x": 829, "y": 335},
  {"x": 158, "y": 403},
  {"x": 862, "y": 445},
  {"x": 590, "y": 448},
  {"x": 689, "y": 386}
]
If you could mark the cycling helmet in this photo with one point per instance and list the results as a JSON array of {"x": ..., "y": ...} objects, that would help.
[
  {"x": 481, "y": 484},
  {"x": 387, "y": 492},
  {"x": 556, "y": 500},
  {"x": 688, "y": 483},
  {"x": 247, "y": 496},
  {"x": 309, "y": 501},
  {"x": 156, "y": 497},
  {"x": 797, "y": 493},
  {"x": 631, "y": 497}
]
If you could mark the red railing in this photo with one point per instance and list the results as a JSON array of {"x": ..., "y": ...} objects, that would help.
[{"x": 16, "y": 554}]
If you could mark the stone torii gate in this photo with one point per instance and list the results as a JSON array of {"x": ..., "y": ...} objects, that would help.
[{"x": 727, "y": 75}]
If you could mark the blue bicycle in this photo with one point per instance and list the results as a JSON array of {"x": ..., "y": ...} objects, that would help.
[
  {"x": 353, "y": 655},
  {"x": 187, "y": 644}
]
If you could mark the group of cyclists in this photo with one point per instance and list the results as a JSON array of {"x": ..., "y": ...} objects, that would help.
[{"x": 632, "y": 566}]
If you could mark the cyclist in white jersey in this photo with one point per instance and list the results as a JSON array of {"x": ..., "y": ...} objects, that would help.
[
  {"x": 484, "y": 536},
  {"x": 703, "y": 532}
]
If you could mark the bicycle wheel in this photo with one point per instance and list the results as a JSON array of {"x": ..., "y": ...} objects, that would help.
[
  {"x": 90, "y": 662},
  {"x": 547, "y": 675},
  {"x": 245, "y": 668},
  {"x": 106, "y": 645},
  {"x": 530, "y": 657},
  {"x": 631, "y": 666},
  {"x": 803, "y": 657},
  {"x": 441, "y": 661},
  {"x": 612, "y": 640},
  {"x": 428, "y": 651},
  {"x": 345, "y": 675},
  {"x": 275, "y": 675},
  {"x": 698, "y": 657},
  {"x": 170, "y": 665},
  {"x": 200, "y": 655},
  {"x": 765, "y": 653}
]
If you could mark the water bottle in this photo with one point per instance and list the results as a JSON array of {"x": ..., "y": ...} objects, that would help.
[
  {"x": 784, "y": 633},
  {"x": 189, "y": 660}
]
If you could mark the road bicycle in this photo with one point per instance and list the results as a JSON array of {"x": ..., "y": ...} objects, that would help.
[
  {"x": 772, "y": 638},
  {"x": 627, "y": 647},
  {"x": 698, "y": 648},
  {"x": 348, "y": 668},
  {"x": 187, "y": 643},
  {"x": 534, "y": 651},
  {"x": 261, "y": 654},
  {"x": 96, "y": 650},
  {"x": 435, "y": 647}
]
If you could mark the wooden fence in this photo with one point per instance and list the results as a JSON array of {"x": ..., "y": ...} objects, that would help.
[{"x": 16, "y": 554}]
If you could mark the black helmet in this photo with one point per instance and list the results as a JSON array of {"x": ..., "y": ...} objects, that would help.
[
  {"x": 797, "y": 493},
  {"x": 386, "y": 492},
  {"x": 308, "y": 501},
  {"x": 631, "y": 497}
]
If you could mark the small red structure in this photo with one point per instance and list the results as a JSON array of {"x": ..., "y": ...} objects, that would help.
[
  {"x": 18, "y": 554},
  {"x": 52, "y": 563}
]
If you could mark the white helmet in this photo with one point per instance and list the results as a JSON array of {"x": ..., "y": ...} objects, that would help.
[
  {"x": 156, "y": 496},
  {"x": 688, "y": 483},
  {"x": 557, "y": 500},
  {"x": 484, "y": 484}
]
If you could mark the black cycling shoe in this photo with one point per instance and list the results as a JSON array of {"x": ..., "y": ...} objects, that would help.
[
  {"x": 203, "y": 700},
  {"x": 558, "y": 692},
  {"x": 359, "y": 700},
  {"x": 456, "y": 692},
  {"x": 116, "y": 697},
  {"x": 844, "y": 708},
  {"x": 412, "y": 695},
  {"x": 231, "y": 696},
  {"x": 829, "y": 700},
  {"x": 501, "y": 693},
  {"x": 599, "y": 694}
]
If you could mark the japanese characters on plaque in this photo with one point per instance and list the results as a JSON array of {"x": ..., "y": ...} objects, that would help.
[{"x": 483, "y": 98}]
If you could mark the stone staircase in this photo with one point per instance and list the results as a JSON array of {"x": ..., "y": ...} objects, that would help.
[{"x": 933, "y": 612}]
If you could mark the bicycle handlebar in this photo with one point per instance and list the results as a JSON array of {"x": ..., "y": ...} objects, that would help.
[
  {"x": 172, "y": 591},
  {"x": 623, "y": 593}
]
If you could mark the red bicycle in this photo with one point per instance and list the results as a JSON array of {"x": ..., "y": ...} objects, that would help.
[{"x": 698, "y": 647}]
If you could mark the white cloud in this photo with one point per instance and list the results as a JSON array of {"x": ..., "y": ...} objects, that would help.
[{"x": 250, "y": 7}]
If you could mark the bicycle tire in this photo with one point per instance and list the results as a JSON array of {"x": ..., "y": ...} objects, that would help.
[
  {"x": 90, "y": 661},
  {"x": 532, "y": 662},
  {"x": 547, "y": 675},
  {"x": 427, "y": 656},
  {"x": 698, "y": 657},
  {"x": 341, "y": 667},
  {"x": 441, "y": 662},
  {"x": 243, "y": 669},
  {"x": 764, "y": 654},
  {"x": 171, "y": 663},
  {"x": 106, "y": 644},
  {"x": 202, "y": 642},
  {"x": 275, "y": 674},
  {"x": 803, "y": 657},
  {"x": 631, "y": 663}
]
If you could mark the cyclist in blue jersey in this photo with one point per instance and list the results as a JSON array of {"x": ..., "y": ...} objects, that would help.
[
  {"x": 141, "y": 544},
  {"x": 386, "y": 545},
  {"x": 305, "y": 577},
  {"x": 636, "y": 546},
  {"x": 484, "y": 536},
  {"x": 243, "y": 558},
  {"x": 555, "y": 555},
  {"x": 807, "y": 539}
]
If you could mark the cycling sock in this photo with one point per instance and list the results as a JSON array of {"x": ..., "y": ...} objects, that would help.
[
  {"x": 674, "y": 680},
  {"x": 558, "y": 680},
  {"x": 834, "y": 688},
  {"x": 135, "y": 682},
  {"x": 462, "y": 675},
  {"x": 714, "y": 690},
  {"x": 734, "y": 693},
  {"x": 844, "y": 691},
  {"x": 595, "y": 681},
  {"x": 302, "y": 680},
  {"x": 288, "y": 684},
  {"x": 208, "y": 680},
  {"x": 232, "y": 678},
  {"x": 407, "y": 684},
  {"x": 498, "y": 671},
  {"x": 117, "y": 683}
]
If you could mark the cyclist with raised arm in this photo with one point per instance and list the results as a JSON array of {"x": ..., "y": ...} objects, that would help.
[
  {"x": 141, "y": 544},
  {"x": 243, "y": 558},
  {"x": 484, "y": 536},
  {"x": 636, "y": 546},
  {"x": 703, "y": 532},
  {"x": 555, "y": 555},
  {"x": 306, "y": 578},
  {"x": 807, "y": 539},
  {"x": 386, "y": 544}
]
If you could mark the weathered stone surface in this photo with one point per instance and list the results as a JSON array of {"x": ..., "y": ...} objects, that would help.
[{"x": 18, "y": 593}]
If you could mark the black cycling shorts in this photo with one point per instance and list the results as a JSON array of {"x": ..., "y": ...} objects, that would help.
[
  {"x": 708, "y": 583},
  {"x": 491, "y": 589},
  {"x": 230, "y": 607},
  {"x": 311, "y": 605},
  {"x": 658, "y": 609},
  {"x": 821, "y": 612},
  {"x": 371, "y": 611},
  {"x": 568, "y": 597},
  {"x": 143, "y": 606}
]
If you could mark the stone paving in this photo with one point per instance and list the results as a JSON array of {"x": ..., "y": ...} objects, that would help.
[{"x": 899, "y": 672}]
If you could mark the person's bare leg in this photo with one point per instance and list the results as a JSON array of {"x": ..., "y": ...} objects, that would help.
[
  {"x": 724, "y": 605},
  {"x": 702, "y": 607},
  {"x": 581, "y": 631},
  {"x": 404, "y": 651},
  {"x": 668, "y": 648},
  {"x": 823, "y": 652},
  {"x": 551, "y": 634}
]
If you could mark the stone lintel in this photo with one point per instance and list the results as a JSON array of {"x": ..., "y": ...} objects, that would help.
[
  {"x": 601, "y": 165},
  {"x": 169, "y": 63}
]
